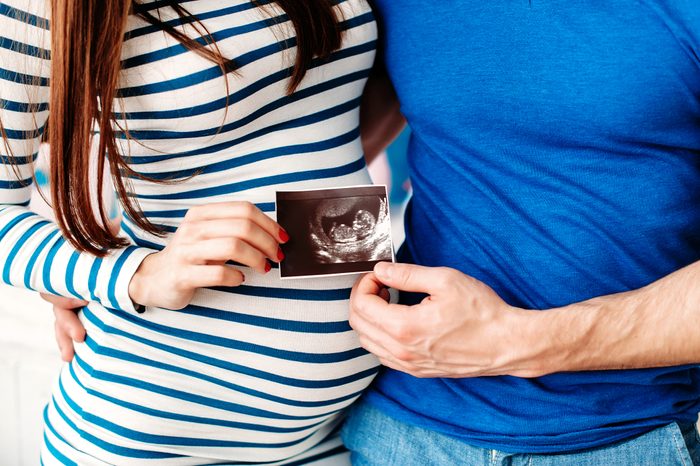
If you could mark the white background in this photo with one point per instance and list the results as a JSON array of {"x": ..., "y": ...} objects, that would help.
[{"x": 29, "y": 365}]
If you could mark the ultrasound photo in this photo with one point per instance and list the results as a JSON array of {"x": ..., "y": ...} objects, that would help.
[{"x": 334, "y": 231}]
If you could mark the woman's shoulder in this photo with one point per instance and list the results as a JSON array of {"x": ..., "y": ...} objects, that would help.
[
  {"x": 32, "y": 13},
  {"x": 24, "y": 43},
  {"x": 24, "y": 27}
]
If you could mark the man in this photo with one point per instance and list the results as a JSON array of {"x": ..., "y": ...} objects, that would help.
[{"x": 553, "y": 314}]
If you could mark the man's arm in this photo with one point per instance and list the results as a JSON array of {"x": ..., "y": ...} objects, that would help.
[
  {"x": 463, "y": 329},
  {"x": 654, "y": 326},
  {"x": 381, "y": 120}
]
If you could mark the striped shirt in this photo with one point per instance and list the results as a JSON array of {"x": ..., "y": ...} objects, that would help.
[{"x": 259, "y": 373}]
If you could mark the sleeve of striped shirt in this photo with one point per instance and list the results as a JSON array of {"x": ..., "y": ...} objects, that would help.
[{"x": 33, "y": 252}]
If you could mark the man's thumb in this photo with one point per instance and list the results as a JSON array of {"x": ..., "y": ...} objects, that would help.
[{"x": 406, "y": 277}]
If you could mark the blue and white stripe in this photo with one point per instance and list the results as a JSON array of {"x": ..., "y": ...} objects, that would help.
[{"x": 257, "y": 374}]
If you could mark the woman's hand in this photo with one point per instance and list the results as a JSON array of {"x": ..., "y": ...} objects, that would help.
[
  {"x": 68, "y": 327},
  {"x": 195, "y": 257}
]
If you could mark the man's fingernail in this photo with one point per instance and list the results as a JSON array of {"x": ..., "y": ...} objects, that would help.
[
  {"x": 384, "y": 294},
  {"x": 284, "y": 236},
  {"x": 383, "y": 270}
]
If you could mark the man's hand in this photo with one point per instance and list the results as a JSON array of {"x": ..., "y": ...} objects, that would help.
[
  {"x": 68, "y": 327},
  {"x": 461, "y": 329}
]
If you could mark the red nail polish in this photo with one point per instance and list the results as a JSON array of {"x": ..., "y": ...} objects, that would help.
[
  {"x": 268, "y": 267},
  {"x": 284, "y": 236},
  {"x": 280, "y": 254}
]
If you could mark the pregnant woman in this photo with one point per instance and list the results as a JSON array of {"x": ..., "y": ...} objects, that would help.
[{"x": 204, "y": 109}]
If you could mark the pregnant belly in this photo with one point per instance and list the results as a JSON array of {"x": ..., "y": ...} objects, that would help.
[{"x": 269, "y": 366}]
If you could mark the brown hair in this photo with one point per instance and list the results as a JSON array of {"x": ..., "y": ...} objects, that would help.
[{"x": 86, "y": 43}]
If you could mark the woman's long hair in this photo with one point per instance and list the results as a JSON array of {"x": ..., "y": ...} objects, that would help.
[{"x": 86, "y": 44}]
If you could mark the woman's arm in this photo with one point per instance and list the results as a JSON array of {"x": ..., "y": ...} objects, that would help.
[
  {"x": 33, "y": 252},
  {"x": 35, "y": 255},
  {"x": 381, "y": 120}
]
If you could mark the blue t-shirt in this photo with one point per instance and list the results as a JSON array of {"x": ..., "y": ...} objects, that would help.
[{"x": 555, "y": 155}]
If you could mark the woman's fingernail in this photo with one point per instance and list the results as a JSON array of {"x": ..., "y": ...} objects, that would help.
[
  {"x": 268, "y": 267},
  {"x": 284, "y": 236},
  {"x": 280, "y": 255}
]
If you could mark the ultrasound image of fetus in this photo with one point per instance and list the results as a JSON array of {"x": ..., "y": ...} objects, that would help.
[
  {"x": 353, "y": 229},
  {"x": 362, "y": 226},
  {"x": 334, "y": 231}
]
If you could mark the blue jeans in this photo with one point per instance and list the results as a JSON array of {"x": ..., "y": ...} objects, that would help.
[{"x": 375, "y": 439}]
